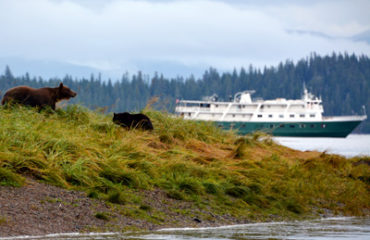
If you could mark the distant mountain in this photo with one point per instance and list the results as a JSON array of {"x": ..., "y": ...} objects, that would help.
[
  {"x": 312, "y": 33},
  {"x": 54, "y": 69},
  {"x": 46, "y": 69},
  {"x": 170, "y": 69},
  {"x": 364, "y": 36}
]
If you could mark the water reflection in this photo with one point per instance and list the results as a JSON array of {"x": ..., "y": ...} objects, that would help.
[
  {"x": 332, "y": 228},
  {"x": 322, "y": 229}
]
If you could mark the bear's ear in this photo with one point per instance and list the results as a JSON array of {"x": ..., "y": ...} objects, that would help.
[
  {"x": 114, "y": 114},
  {"x": 60, "y": 85}
]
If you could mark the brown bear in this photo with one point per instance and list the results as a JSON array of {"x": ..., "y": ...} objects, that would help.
[
  {"x": 129, "y": 121},
  {"x": 41, "y": 97}
]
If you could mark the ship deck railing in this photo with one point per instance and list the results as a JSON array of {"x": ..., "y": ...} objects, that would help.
[{"x": 345, "y": 118}]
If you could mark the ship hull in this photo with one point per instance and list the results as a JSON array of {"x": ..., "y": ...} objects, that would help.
[{"x": 338, "y": 129}]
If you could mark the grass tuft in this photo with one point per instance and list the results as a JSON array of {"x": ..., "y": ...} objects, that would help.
[
  {"x": 116, "y": 197},
  {"x": 237, "y": 191},
  {"x": 8, "y": 178},
  {"x": 145, "y": 207},
  {"x": 3, "y": 220},
  {"x": 126, "y": 177},
  {"x": 75, "y": 114},
  {"x": 102, "y": 216},
  {"x": 190, "y": 186},
  {"x": 174, "y": 194},
  {"x": 93, "y": 194},
  {"x": 211, "y": 188}
]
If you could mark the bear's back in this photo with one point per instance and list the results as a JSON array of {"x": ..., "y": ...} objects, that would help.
[
  {"x": 17, "y": 94},
  {"x": 128, "y": 120}
]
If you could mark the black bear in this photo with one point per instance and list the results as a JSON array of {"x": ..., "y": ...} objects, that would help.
[
  {"x": 40, "y": 97},
  {"x": 129, "y": 121}
]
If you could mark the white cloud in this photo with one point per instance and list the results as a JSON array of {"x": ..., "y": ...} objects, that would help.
[{"x": 113, "y": 35}]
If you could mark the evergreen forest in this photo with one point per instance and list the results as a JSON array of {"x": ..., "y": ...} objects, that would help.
[{"x": 342, "y": 80}]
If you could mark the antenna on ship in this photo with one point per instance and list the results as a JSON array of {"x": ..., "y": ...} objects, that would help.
[
  {"x": 305, "y": 92},
  {"x": 364, "y": 110}
]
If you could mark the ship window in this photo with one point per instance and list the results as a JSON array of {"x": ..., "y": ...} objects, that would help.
[
  {"x": 272, "y": 126},
  {"x": 216, "y": 105},
  {"x": 205, "y": 105},
  {"x": 259, "y": 115},
  {"x": 282, "y": 125},
  {"x": 268, "y": 106},
  {"x": 302, "y": 125},
  {"x": 301, "y": 115},
  {"x": 243, "y": 125},
  {"x": 312, "y": 125},
  {"x": 291, "y": 126},
  {"x": 189, "y": 114},
  {"x": 270, "y": 115},
  {"x": 281, "y": 116},
  {"x": 233, "y": 115},
  {"x": 262, "y": 106},
  {"x": 323, "y": 125},
  {"x": 291, "y": 115},
  {"x": 312, "y": 115}
]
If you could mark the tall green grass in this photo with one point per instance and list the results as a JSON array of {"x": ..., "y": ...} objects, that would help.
[{"x": 76, "y": 148}]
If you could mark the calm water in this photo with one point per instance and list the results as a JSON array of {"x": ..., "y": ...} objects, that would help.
[
  {"x": 352, "y": 145},
  {"x": 321, "y": 229}
]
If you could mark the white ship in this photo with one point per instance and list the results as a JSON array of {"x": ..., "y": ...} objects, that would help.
[{"x": 279, "y": 117}]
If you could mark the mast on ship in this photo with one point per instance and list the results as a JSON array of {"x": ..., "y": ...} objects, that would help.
[{"x": 311, "y": 101}]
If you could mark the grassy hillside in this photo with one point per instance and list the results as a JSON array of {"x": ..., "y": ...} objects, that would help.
[{"x": 247, "y": 177}]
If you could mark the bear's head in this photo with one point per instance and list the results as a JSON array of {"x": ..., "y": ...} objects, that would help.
[
  {"x": 65, "y": 93},
  {"x": 121, "y": 117}
]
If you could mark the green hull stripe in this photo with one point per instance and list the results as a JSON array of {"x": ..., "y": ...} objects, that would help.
[{"x": 296, "y": 129}]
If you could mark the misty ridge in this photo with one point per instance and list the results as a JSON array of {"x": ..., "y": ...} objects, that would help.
[{"x": 342, "y": 80}]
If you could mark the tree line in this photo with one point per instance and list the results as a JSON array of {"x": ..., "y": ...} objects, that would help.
[{"x": 342, "y": 80}]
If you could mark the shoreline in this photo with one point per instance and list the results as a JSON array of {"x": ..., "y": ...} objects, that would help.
[
  {"x": 60, "y": 216},
  {"x": 164, "y": 230},
  {"x": 38, "y": 209}
]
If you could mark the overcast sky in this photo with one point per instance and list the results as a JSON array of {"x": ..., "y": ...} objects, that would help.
[{"x": 125, "y": 35}]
